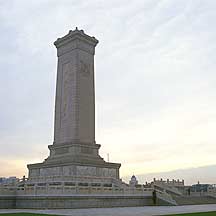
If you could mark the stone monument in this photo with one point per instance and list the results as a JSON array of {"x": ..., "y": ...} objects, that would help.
[
  {"x": 74, "y": 175},
  {"x": 74, "y": 154}
]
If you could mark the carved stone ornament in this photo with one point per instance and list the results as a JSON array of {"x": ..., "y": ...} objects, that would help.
[{"x": 84, "y": 68}]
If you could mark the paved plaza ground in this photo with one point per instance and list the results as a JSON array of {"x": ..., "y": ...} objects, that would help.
[{"x": 126, "y": 211}]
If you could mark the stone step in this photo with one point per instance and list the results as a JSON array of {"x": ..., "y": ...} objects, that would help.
[{"x": 194, "y": 200}]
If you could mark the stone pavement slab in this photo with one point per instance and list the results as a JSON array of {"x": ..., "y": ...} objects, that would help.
[{"x": 123, "y": 211}]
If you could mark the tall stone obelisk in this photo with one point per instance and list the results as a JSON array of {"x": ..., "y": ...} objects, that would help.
[
  {"x": 74, "y": 151},
  {"x": 75, "y": 97}
]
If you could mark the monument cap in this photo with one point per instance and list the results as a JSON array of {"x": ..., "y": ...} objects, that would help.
[{"x": 75, "y": 34}]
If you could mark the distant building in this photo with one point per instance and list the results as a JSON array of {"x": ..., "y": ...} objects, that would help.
[
  {"x": 203, "y": 187},
  {"x": 2, "y": 179},
  {"x": 133, "y": 182},
  {"x": 9, "y": 181}
]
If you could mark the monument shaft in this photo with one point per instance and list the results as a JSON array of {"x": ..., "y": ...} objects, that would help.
[{"x": 75, "y": 98}]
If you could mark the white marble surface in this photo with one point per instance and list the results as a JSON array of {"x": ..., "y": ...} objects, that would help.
[{"x": 126, "y": 211}]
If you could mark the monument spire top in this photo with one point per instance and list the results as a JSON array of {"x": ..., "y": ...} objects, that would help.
[{"x": 76, "y": 34}]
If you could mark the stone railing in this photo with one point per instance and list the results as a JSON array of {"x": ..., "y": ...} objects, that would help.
[
  {"x": 73, "y": 190},
  {"x": 62, "y": 190},
  {"x": 4, "y": 190},
  {"x": 173, "y": 182},
  {"x": 89, "y": 179}
]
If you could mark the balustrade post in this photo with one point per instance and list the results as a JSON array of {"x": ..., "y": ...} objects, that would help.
[{"x": 63, "y": 188}]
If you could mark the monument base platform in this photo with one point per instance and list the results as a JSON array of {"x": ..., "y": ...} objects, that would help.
[
  {"x": 77, "y": 163},
  {"x": 71, "y": 202},
  {"x": 62, "y": 202},
  {"x": 74, "y": 172}
]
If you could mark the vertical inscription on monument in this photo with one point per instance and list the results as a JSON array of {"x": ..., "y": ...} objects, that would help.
[
  {"x": 67, "y": 100},
  {"x": 66, "y": 87},
  {"x": 84, "y": 68}
]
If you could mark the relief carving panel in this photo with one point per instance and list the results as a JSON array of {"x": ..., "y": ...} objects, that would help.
[
  {"x": 54, "y": 171},
  {"x": 84, "y": 68},
  {"x": 86, "y": 171}
]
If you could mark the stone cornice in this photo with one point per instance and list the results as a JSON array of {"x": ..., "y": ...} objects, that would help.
[
  {"x": 67, "y": 163},
  {"x": 89, "y": 145},
  {"x": 76, "y": 34}
]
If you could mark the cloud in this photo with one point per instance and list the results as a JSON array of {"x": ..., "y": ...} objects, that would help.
[{"x": 155, "y": 79}]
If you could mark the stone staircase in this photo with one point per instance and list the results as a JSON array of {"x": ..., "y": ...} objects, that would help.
[
  {"x": 194, "y": 200},
  {"x": 164, "y": 198},
  {"x": 171, "y": 190}
]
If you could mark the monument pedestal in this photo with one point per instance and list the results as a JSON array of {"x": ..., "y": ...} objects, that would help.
[{"x": 74, "y": 162}]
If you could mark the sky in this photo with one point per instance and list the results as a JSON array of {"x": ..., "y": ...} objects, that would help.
[{"x": 155, "y": 81}]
